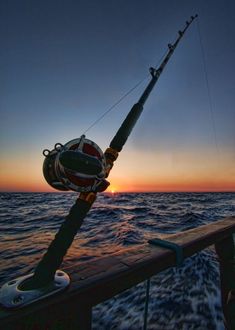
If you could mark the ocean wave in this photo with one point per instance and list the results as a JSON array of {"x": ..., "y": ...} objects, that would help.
[{"x": 188, "y": 296}]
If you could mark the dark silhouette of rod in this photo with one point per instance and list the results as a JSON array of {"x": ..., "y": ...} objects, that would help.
[
  {"x": 51, "y": 261},
  {"x": 124, "y": 131}
]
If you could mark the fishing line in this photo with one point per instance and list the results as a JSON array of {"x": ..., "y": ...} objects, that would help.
[
  {"x": 208, "y": 89},
  {"x": 114, "y": 105},
  {"x": 122, "y": 97}
]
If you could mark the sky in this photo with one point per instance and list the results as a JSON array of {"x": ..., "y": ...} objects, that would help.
[{"x": 64, "y": 63}]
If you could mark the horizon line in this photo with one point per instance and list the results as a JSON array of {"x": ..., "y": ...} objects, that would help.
[{"x": 122, "y": 192}]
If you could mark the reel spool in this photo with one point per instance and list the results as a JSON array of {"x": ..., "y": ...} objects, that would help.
[{"x": 79, "y": 165}]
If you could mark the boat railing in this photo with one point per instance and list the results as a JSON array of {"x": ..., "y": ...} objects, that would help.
[{"x": 96, "y": 281}]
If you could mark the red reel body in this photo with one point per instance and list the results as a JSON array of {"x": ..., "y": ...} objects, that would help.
[{"x": 79, "y": 165}]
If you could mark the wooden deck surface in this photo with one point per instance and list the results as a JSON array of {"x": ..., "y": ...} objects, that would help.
[{"x": 96, "y": 281}]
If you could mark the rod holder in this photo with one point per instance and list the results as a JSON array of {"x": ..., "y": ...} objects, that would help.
[{"x": 13, "y": 296}]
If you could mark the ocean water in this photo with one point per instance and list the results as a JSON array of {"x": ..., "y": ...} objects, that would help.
[{"x": 187, "y": 297}]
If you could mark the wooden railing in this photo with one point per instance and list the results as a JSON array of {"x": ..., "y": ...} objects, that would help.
[{"x": 96, "y": 281}]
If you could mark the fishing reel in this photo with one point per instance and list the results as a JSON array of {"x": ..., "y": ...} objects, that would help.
[{"x": 79, "y": 165}]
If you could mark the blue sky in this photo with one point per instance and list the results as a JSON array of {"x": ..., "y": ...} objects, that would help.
[{"x": 64, "y": 63}]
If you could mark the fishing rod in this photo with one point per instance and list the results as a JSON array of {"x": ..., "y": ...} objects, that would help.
[{"x": 81, "y": 166}]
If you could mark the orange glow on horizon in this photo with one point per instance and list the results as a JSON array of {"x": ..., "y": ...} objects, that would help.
[
  {"x": 127, "y": 186},
  {"x": 136, "y": 171},
  {"x": 176, "y": 186}
]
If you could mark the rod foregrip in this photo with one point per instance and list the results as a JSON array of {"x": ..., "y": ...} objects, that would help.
[{"x": 124, "y": 131}]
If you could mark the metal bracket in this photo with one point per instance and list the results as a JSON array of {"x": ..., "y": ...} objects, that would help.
[
  {"x": 171, "y": 246},
  {"x": 11, "y": 296}
]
